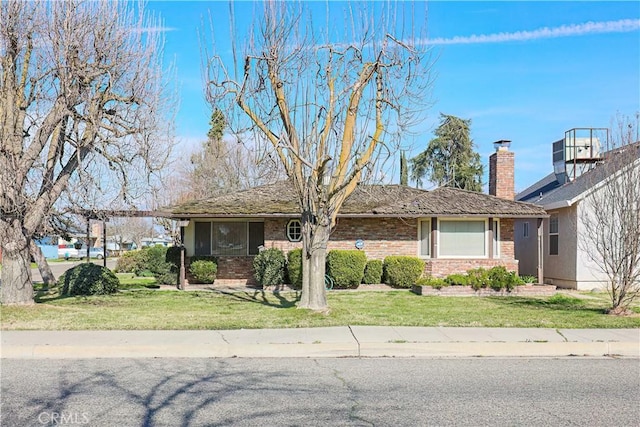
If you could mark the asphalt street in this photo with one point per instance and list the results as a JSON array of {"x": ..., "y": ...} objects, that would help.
[{"x": 321, "y": 392}]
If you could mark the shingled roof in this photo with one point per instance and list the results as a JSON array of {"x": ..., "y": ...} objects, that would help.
[
  {"x": 550, "y": 193},
  {"x": 366, "y": 201}
]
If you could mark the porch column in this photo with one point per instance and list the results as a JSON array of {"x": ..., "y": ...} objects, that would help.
[{"x": 104, "y": 242}]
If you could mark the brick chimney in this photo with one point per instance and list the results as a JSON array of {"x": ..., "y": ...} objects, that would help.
[{"x": 501, "y": 171}]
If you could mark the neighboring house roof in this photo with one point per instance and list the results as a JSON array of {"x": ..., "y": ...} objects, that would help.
[
  {"x": 279, "y": 199},
  {"x": 551, "y": 194}
]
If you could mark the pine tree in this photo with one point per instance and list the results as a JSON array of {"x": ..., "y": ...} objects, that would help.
[{"x": 450, "y": 159}]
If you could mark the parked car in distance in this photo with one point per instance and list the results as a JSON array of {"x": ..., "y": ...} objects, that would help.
[
  {"x": 69, "y": 251},
  {"x": 94, "y": 253}
]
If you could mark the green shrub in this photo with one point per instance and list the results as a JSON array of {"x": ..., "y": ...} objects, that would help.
[
  {"x": 149, "y": 261},
  {"x": 88, "y": 279},
  {"x": 434, "y": 282},
  {"x": 269, "y": 267},
  {"x": 529, "y": 279},
  {"x": 457, "y": 279},
  {"x": 294, "y": 268},
  {"x": 402, "y": 271},
  {"x": 503, "y": 279},
  {"x": 204, "y": 258},
  {"x": 498, "y": 277},
  {"x": 346, "y": 267},
  {"x": 155, "y": 261},
  {"x": 373, "y": 272},
  {"x": 203, "y": 271},
  {"x": 173, "y": 256},
  {"x": 478, "y": 278},
  {"x": 130, "y": 262}
]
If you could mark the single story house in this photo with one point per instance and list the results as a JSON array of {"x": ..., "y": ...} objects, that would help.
[
  {"x": 581, "y": 168},
  {"x": 453, "y": 230}
]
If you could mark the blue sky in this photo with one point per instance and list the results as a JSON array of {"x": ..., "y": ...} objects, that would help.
[{"x": 524, "y": 71}]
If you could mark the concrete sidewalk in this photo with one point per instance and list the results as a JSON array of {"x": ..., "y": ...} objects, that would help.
[{"x": 342, "y": 341}]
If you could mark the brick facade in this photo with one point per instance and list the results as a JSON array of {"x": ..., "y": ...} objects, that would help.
[
  {"x": 501, "y": 174},
  {"x": 382, "y": 237}
]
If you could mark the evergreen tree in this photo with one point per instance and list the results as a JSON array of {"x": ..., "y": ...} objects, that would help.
[
  {"x": 404, "y": 173},
  {"x": 450, "y": 159}
]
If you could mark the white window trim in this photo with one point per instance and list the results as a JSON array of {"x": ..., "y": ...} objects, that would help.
[
  {"x": 556, "y": 233},
  {"x": 287, "y": 231},
  {"x": 496, "y": 253},
  {"x": 421, "y": 221},
  {"x": 487, "y": 238}
]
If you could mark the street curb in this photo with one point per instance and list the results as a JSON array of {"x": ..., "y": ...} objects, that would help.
[
  {"x": 324, "y": 342},
  {"x": 377, "y": 350}
]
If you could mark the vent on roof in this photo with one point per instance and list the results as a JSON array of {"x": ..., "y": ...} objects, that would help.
[{"x": 578, "y": 152}]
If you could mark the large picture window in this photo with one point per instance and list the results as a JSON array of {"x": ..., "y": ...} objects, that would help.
[
  {"x": 462, "y": 238},
  {"x": 228, "y": 238}
]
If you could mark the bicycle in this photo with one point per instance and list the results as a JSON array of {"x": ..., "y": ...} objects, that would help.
[{"x": 328, "y": 282}]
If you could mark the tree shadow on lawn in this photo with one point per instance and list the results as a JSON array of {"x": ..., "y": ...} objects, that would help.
[
  {"x": 559, "y": 303},
  {"x": 259, "y": 296}
]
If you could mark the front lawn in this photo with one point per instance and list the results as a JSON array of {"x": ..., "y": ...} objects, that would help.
[{"x": 146, "y": 309}]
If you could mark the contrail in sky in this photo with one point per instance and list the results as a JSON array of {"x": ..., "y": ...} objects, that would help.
[{"x": 620, "y": 26}]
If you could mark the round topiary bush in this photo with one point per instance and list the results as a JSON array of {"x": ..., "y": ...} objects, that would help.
[
  {"x": 402, "y": 271},
  {"x": 346, "y": 267},
  {"x": 294, "y": 268},
  {"x": 269, "y": 267},
  {"x": 373, "y": 272},
  {"x": 204, "y": 271},
  {"x": 88, "y": 279}
]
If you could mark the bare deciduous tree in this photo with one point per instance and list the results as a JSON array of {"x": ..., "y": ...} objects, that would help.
[
  {"x": 223, "y": 165},
  {"x": 329, "y": 102},
  {"x": 83, "y": 112},
  {"x": 609, "y": 221}
]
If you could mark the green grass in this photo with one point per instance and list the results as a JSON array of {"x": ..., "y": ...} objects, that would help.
[{"x": 167, "y": 309}]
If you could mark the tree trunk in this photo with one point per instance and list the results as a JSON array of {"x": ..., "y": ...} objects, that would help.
[
  {"x": 16, "y": 288},
  {"x": 314, "y": 256},
  {"x": 43, "y": 266}
]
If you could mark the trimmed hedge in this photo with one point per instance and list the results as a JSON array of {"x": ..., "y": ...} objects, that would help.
[
  {"x": 270, "y": 267},
  {"x": 373, "y": 272},
  {"x": 88, "y": 279},
  {"x": 203, "y": 271},
  {"x": 346, "y": 267},
  {"x": 402, "y": 271},
  {"x": 294, "y": 268}
]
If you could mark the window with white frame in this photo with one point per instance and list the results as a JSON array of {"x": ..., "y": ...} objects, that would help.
[
  {"x": 294, "y": 230},
  {"x": 425, "y": 237},
  {"x": 462, "y": 238},
  {"x": 553, "y": 234}
]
